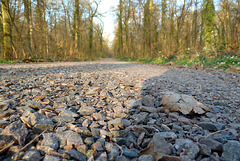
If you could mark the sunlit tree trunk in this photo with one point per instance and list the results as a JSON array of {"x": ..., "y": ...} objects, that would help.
[
  {"x": 8, "y": 54},
  {"x": 27, "y": 12},
  {"x": 76, "y": 28}
]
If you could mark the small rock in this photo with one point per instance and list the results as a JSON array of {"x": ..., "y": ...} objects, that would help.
[
  {"x": 115, "y": 123},
  {"x": 99, "y": 116},
  {"x": 130, "y": 153},
  {"x": 183, "y": 143},
  {"x": 146, "y": 158},
  {"x": 211, "y": 126},
  {"x": 161, "y": 144},
  {"x": 68, "y": 113},
  {"x": 50, "y": 140},
  {"x": 17, "y": 130},
  {"x": 97, "y": 146},
  {"x": 148, "y": 101},
  {"x": 51, "y": 158},
  {"x": 193, "y": 151},
  {"x": 82, "y": 149},
  {"x": 76, "y": 155},
  {"x": 171, "y": 158},
  {"x": 231, "y": 151},
  {"x": 168, "y": 135},
  {"x": 86, "y": 111},
  {"x": 32, "y": 155},
  {"x": 122, "y": 158},
  {"x": 204, "y": 150},
  {"x": 142, "y": 118},
  {"x": 212, "y": 144},
  {"x": 60, "y": 119}
]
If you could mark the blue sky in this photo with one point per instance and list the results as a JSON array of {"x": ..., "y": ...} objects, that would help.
[{"x": 109, "y": 18}]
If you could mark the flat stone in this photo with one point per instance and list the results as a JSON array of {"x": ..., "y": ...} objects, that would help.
[
  {"x": 211, "y": 126},
  {"x": 122, "y": 158},
  {"x": 82, "y": 149},
  {"x": 32, "y": 155},
  {"x": 68, "y": 113},
  {"x": 160, "y": 144},
  {"x": 17, "y": 130},
  {"x": 97, "y": 146},
  {"x": 193, "y": 151},
  {"x": 148, "y": 101},
  {"x": 183, "y": 143},
  {"x": 231, "y": 151},
  {"x": 86, "y": 111},
  {"x": 3, "y": 123},
  {"x": 130, "y": 153},
  {"x": 212, "y": 144},
  {"x": 115, "y": 123},
  {"x": 70, "y": 137},
  {"x": 76, "y": 155},
  {"x": 171, "y": 158},
  {"x": 3, "y": 106},
  {"x": 98, "y": 116},
  {"x": 43, "y": 125},
  {"x": 50, "y": 140},
  {"x": 61, "y": 119},
  {"x": 167, "y": 135},
  {"x": 141, "y": 118},
  {"x": 204, "y": 150},
  {"x": 51, "y": 158},
  {"x": 146, "y": 158}
]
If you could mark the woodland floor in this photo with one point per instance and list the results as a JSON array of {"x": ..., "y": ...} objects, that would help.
[{"x": 110, "y": 110}]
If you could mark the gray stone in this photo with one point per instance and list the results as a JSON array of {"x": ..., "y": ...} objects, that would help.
[
  {"x": 70, "y": 137},
  {"x": 115, "y": 123},
  {"x": 61, "y": 119},
  {"x": 17, "y": 130},
  {"x": 32, "y": 155},
  {"x": 160, "y": 144},
  {"x": 88, "y": 110},
  {"x": 193, "y": 151},
  {"x": 122, "y": 158},
  {"x": 183, "y": 143},
  {"x": 212, "y": 144},
  {"x": 130, "y": 153},
  {"x": 148, "y": 101},
  {"x": 68, "y": 113},
  {"x": 50, "y": 140},
  {"x": 51, "y": 158},
  {"x": 204, "y": 150},
  {"x": 231, "y": 151},
  {"x": 82, "y": 149},
  {"x": 142, "y": 118},
  {"x": 146, "y": 158},
  {"x": 43, "y": 125},
  {"x": 167, "y": 135},
  {"x": 99, "y": 116},
  {"x": 3, "y": 106},
  {"x": 211, "y": 126},
  {"x": 76, "y": 155}
]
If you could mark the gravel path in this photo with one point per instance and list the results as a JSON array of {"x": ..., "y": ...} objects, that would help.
[{"x": 110, "y": 110}]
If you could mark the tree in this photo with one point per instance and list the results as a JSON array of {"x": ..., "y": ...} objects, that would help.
[
  {"x": 208, "y": 14},
  {"x": 8, "y": 54}
]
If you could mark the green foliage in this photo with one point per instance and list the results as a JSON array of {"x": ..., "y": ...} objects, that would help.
[
  {"x": 6, "y": 62},
  {"x": 222, "y": 62}
]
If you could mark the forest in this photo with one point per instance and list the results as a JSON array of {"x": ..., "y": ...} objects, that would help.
[{"x": 154, "y": 30}]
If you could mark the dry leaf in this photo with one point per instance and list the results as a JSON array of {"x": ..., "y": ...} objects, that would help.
[
  {"x": 182, "y": 103},
  {"x": 151, "y": 151}
]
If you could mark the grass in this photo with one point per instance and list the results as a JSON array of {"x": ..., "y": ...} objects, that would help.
[
  {"x": 6, "y": 62},
  {"x": 221, "y": 62}
]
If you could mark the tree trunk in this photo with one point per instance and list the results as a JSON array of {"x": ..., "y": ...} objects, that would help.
[{"x": 8, "y": 54}]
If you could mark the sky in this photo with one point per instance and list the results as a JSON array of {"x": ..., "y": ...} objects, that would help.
[{"x": 105, "y": 8}]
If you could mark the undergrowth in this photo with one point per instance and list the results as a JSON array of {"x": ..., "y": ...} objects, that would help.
[
  {"x": 224, "y": 62},
  {"x": 6, "y": 62}
]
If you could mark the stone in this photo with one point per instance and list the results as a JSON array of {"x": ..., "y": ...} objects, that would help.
[
  {"x": 115, "y": 123},
  {"x": 70, "y": 137},
  {"x": 146, "y": 158},
  {"x": 183, "y": 143},
  {"x": 68, "y": 113},
  {"x": 141, "y": 118},
  {"x": 193, "y": 151},
  {"x": 172, "y": 158},
  {"x": 211, "y": 126},
  {"x": 17, "y": 130},
  {"x": 3, "y": 123},
  {"x": 3, "y": 106},
  {"x": 231, "y": 151},
  {"x": 168, "y": 135},
  {"x": 130, "y": 153},
  {"x": 82, "y": 149},
  {"x": 51, "y": 158},
  {"x": 97, "y": 146},
  {"x": 212, "y": 144},
  {"x": 86, "y": 111},
  {"x": 204, "y": 150},
  {"x": 32, "y": 155},
  {"x": 161, "y": 145},
  {"x": 43, "y": 125},
  {"x": 50, "y": 140},
  {"x": 148, "y": 101},
  {"x": 99, "y": 116},
  {"x": 76, "y": 155},
  {"x": 122, "y": 158},
  {"x": 60, "y": 119}
]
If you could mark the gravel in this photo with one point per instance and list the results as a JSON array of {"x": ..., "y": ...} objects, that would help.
[{"x": 110, "y": 110}]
